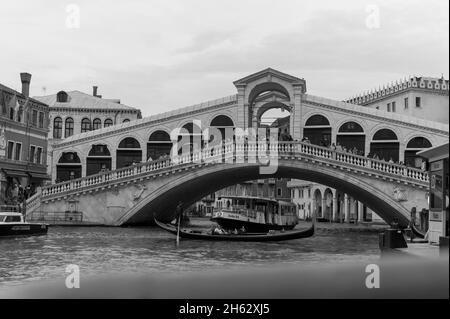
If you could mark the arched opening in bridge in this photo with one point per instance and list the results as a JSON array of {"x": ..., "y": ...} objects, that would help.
[
  {"x": 328, "y": 204},
  {"x": 318, "y": 209},
  {"x": 158, "y": 145},
  {"x": 98, "y": 160},
  {"x": 128, "y": 153},
  {"x": 385, "y": 145},
  {"x": 190, "y": 139},
  {"x": 275, "y": 115},
  {"x": 351, "y": 136},
  {"x": 263, "y": 98},
  {"x": 414, "y": 146},
  {"x": 224, "y": 125},
  {"x": 318, "y": 130},
  {"x": 68, "y": 167}
]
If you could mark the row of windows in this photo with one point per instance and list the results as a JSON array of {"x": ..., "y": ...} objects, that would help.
[
  {"x": 391, "y": 107},
  {"x": 86, "y": 126},
  {"x": 15, "y": 152},
  {"x": 37, "y": 117}
]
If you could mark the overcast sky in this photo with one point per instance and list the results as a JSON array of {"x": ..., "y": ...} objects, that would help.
[{"x": 161, "y": 55}]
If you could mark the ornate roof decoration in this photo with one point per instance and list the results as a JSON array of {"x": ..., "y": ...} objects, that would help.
[{"x": 439, "y": 85}]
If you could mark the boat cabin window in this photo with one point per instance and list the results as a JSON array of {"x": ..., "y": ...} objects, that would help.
[{"x": 12, "y": 219}]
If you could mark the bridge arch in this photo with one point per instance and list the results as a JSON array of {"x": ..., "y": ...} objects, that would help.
[
  {"x": 128, "y": 151},
  {"x": 99, "y": 158},
  {"x": 385, "y": 144},
  {"x": 351, "y": 135},
  {"x": 413, "y": 146},
  {"x": 267, "y": 87},
  {"x": 159, "y": 144},
  {"x": 318, "y": 129},
  {"x": 69, "y": 166},
  {"x": 192, "y": 187}
]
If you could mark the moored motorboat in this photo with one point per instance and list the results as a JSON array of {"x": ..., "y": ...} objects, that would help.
[
  {"x": 254, "y": 237},
  {"x": 13, "y": 224}
]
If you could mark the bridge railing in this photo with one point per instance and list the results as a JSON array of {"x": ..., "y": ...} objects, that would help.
[{"x": 233, "y": 151}]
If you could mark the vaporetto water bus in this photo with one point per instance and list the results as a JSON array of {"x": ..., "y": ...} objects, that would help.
[{"x": 255, "y": 214}]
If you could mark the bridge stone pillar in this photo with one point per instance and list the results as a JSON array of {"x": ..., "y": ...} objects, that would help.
[
  {"x": 346, "y": 209},
  {"x": 241, "y": 120},
  {"x": 367, "y": 146},
  {"x": 360, "y": 212},
  {"x": 401, "y": 156},
  {"x": 335, "y": 208},
  {"x": 296, "y": 114}
]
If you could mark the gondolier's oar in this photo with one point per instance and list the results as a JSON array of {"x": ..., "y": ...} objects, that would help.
[
  {"x": 179, "y": 210},
  {"x": 178, "y": 231}
]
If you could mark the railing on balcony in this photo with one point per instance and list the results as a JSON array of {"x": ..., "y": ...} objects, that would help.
[{"x": 230, "y": 152}]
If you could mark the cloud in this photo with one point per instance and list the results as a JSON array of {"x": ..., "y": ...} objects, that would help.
[{"x": 159, "y": 55}]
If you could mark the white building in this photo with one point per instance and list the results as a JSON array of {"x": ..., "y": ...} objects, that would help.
[
  {"x": 422, "y": 97},
  {"x": 75, "y": 112}
]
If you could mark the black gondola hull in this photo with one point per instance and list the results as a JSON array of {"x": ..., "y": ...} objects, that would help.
[
  {"x": 249, "y": 226},
  {"x": 249, "y": 237}
]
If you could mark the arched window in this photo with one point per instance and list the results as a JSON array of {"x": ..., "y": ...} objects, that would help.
[
  {"x": 384, "y": 135},
  {"x": 108, "y": 122},
  {"x": 351, "y": 127},
  {"x": 128, "y": 153},
  {"x": 318, "y": 130},
  {"x": 97, "y": 124},
  {"x": 98, "y": 160},
  {"x": 317, "y": 120},
  {"x": 159, "y": 144},
  {"x": 351, "y": 137},
  {"x": 385, "y": 146},
  {"x": 85, "y": 125},
  {"x": 419, "y": 143},
  {"x": 68, "y": 130},
  {"x": 225, "y": 126},
  {"x": 414, "y": 146},
  {"x": 126, "y": 121},
  {"x": 129, "y": 142},
  {"x": 222, "y": 121},
  {"x": 190, "y": 139},
  {"x": 68, "y": 167},
  {"x": 57, "y": 127},
  {"x": 62, "y": 97}
]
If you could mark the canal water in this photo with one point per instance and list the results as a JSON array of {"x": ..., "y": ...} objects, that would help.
[{"x": 141, "y": 250}]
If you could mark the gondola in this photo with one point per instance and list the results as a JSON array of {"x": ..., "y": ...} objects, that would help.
[{"x": 255, "y": 237}]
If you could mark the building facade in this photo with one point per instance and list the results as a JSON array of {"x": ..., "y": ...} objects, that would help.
[
  {"x": 23, "y": 141},
  {"x": 75, "y": 112},
  {"x": 422, "y": 97}
]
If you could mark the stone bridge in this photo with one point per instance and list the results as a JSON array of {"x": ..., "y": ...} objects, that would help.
[{"x": 136, "y": 194}]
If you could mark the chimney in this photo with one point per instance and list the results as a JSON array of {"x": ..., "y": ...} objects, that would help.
[
  {"x": 94, "y": 90},
  {"x": 26, "y": 79}
]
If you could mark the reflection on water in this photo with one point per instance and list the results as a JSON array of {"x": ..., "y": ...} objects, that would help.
[{"x": 100, "y": 250}]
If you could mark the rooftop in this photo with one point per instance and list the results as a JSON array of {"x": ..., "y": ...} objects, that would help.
[
  {"x": 20, "y": 94},
  {"x": 80, "y": 100}
]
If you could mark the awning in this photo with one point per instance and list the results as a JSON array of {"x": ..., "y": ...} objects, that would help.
[
  {"x": 39, "y": 175},
  {"x": 14, "y": 173}
]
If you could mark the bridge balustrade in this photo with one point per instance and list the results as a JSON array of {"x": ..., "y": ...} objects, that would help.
[{"x": 241, "y": 151}]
